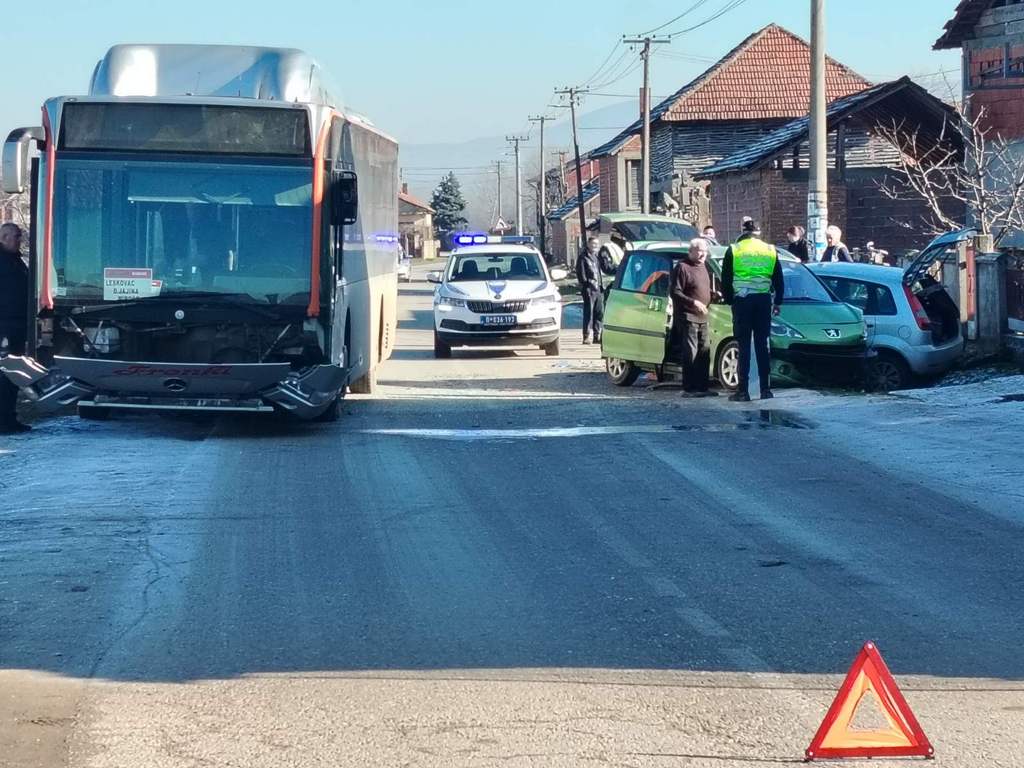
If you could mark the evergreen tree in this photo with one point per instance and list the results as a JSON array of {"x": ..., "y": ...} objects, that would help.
[{"x": 449, "y": 207}]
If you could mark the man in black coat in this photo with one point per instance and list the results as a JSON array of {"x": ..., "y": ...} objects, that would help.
[
  {"x": 590, "y": 266},
  {"x": 13, "y": 319}
]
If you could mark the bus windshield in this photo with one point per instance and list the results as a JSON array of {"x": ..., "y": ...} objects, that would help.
[{"x": 141, "y": 229}]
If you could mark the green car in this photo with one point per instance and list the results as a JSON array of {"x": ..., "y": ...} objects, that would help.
[{"x": 815, "y": 336}]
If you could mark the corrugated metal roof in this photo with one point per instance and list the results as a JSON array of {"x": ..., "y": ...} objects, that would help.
[
  {"x": 905, "y": 95},
  {"x": 765, "y": 77},
  {"x": 959, "y": 28},
  {"x": 590, "y": 190}
]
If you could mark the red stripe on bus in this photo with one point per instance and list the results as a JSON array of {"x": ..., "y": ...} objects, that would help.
[
  {"x": 51, "y": 162},
  {"x": 313, "y": 310}
]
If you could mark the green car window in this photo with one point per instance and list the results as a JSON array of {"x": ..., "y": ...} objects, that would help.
[{"x": 648, "y": 273}]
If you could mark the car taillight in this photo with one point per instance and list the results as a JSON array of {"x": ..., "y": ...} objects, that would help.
[{"x": 923, "y": 321}]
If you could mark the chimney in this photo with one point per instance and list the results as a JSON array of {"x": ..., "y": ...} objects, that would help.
[{"x": 405, "y": 188}]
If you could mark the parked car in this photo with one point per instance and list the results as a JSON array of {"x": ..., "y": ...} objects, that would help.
[
  {"x": 814, "y": 336},
  {"x": 496, "y": 295},
  {"x": 912, "y": 322}
]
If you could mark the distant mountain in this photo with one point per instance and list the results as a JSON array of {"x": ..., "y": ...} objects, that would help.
[{"x": 473, "y": 160}]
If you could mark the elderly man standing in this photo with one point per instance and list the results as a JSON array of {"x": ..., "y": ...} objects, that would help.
[
  {"x": 691, "y": 297},
  {"x": 13, "y": 319}
]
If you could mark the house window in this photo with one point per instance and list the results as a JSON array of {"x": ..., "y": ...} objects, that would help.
[{"x": 633, "y": 184}]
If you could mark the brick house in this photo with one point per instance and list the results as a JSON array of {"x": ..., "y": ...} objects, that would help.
[
  {"x": 762, "y": 84},
  {"x": 416, "y": 226},
  {"x": 768, "y": 179},
  {"x": 991, "y": 35}
]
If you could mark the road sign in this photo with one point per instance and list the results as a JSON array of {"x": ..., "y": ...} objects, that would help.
[{"x": 869, "y": 678}]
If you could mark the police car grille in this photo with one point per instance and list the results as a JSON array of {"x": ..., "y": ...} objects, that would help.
[{"x": 508, "y": 307}]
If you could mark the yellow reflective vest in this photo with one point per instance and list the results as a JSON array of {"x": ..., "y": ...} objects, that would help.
[{"x": 753, "y": 263}]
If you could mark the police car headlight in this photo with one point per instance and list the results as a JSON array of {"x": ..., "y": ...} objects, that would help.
[
  {"x": 785, "y": 330},
  {"x": 448, "y": 303},
  {"x": 547, "y": 301}
]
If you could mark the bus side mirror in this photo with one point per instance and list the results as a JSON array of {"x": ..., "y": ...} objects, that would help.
[
  {"x": 344, "y": 198},
  {"x": 434, "y": 276},
  {"x": 15, "y": 161}
]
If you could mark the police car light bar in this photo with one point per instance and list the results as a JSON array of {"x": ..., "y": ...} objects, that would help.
[{"x": 482, "y": 239}]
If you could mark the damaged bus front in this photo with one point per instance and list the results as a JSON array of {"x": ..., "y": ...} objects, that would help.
[{"x": 187, "y": 252}]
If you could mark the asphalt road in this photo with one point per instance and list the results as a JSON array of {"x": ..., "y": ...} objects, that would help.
[{"x": 499, "y": 560}]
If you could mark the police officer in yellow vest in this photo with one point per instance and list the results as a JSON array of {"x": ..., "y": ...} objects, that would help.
[{"x": 751, "y": 277}]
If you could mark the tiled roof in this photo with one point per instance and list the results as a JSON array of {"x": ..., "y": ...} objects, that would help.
[
  {"x": 405, "y": 197},
  {"x": 959, "y": 28},
  {"x": 914, "y": 101},
  {"x": 590, "y": 190},
  {"x": 766, "y": 77}
]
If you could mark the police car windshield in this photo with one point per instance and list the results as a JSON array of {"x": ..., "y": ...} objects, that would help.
[
  {"x": 496, "y": 266},
  {"x": 802, "y": 285}
]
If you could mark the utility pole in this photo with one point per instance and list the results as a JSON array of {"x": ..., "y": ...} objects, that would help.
[
  {"x": 542, "y": 208},
  {"x": 515, "y": 141},
  {"x": 817, "y": 184},
  {"x": 573, "y": 94},
  {"x": 497, "y": 167},
  {"x": 645, "y": 115}
]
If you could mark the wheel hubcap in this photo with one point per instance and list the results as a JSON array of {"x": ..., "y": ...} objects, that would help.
[
  {"x": 887, "y": 375},
  {"x": 616, "y": 367},
  {"x": 730, "y": 367}
]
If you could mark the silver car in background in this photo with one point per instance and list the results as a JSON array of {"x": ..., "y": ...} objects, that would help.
[{"x": 912, "y": 322}]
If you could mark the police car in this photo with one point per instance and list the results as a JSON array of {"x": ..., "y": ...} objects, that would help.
[{"x": 496, "y": 292}]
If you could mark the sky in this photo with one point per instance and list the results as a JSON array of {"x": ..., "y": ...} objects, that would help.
[{"x": 455, "y": 70}]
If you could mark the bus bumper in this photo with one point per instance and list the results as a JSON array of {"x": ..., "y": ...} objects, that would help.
[{"x": 251, "y": 387}]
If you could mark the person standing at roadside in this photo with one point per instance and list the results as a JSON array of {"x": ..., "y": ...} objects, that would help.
[
  {"x": 751, "y": 274},
  {"x": 836, "y": 250},
  {"x": 691, "y": 297},
  {"x": 13, "y": 320},
  {"x": 589, "y": 268},
  {"x": 798, "y": 243},
  {"x": 710, "y": 235}
]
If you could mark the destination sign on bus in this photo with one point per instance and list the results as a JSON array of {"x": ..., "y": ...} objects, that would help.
[{"x": 186, "y": 128}]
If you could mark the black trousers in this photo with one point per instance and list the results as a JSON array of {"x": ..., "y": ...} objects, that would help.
[
  {"x": 695, "y": 355},
  {"x": 593, "y": 313},
  {"x": 9, "y": 392},
  {"x": 752, "y": 316}
]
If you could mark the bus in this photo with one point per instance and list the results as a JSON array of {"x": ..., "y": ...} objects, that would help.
[{"x": 211, "y": 230}]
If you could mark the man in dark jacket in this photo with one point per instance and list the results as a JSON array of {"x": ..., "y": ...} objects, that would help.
[
  {"x": 590, "y": 266},
  {"x": 751, "y": 276},
  {"x": 691, "y": 297},
  {"x": 13, "y": 319}
]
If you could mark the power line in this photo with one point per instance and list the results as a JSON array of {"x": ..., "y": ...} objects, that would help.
[
  {"x": 600, "y": 69},
  {"x": 730, "y": 6},
  {"x": 682, "y": 15}
]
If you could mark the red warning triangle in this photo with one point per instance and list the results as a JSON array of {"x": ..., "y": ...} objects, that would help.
[{"x": 869, "y": 678}]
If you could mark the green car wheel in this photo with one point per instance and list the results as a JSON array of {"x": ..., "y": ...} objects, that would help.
[
  {"x": 622, "y": 372},
  {"x": 727, "y": 368}
]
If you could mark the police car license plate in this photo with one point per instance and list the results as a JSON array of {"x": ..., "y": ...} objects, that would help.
[{"x": 498, "y": 319}]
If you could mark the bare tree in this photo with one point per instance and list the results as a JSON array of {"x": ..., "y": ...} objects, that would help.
[
  {"x": 15, "y": 208},
  {"x": 964, "y": 171}
]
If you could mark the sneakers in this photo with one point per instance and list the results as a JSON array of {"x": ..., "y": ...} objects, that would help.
[
  {"x": 14, "y": 428},
  {"x": 586, "y": 340},
  {"x": 766, "y": 394},
  {"x": 739, "y": 397}
]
